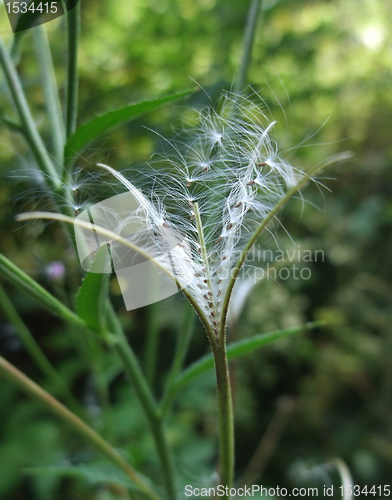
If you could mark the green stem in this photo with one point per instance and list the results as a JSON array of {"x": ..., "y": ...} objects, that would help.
[
  {"x": 29, "y": 128},
  {"x": 19, "y": 278},
  {"x": 34, "y": 390},
  {"x": 36, "y": 352},
  {"x": 73, "y": 18},
  {"x": 87, "y": 348},
  {"x": 148, "y": 402},
  {"x": 49, "y": 85},
  {"x": 235, "y": 350},
  {"x": 248, "y": 45},
  {"x": 225, "y": 415}
]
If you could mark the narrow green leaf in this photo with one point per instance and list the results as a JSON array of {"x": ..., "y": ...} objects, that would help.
[
  {"x": 237, "y": 349},
  {"x": 19, "y": 278},
  {"x": 92, "y": 296},
  {"x": 103, "y": 123}
]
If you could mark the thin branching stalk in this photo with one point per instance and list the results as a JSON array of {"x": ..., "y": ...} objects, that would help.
[
  {"x": 19, "y": 278},
  {"x": 250, "y": 30},
  {"x": 53, "y": 105},
  {"x": 149, "y": 404},
  {"x": 34, "y": 390},
  {"x": 110, "y": 235},
  {"x": 270, "y": 216},
  {"x": 73, "y": 26},
  {"x": 29, "y": 128},
  {"x": 36, "y": 353}
]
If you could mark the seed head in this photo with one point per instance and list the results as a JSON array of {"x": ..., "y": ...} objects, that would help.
[{"x": 218, "y": 181}]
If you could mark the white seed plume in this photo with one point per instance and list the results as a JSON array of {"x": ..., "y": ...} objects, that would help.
[{"x": 219, "y": 181}]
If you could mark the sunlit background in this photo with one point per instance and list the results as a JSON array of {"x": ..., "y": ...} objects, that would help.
[{"x": 324, "y": 70}]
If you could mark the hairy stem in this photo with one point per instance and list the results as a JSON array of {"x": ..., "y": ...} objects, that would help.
[
  {"x": 235, "y": 350},
  {"x": 73, "y": 18},
  {"x": 226, "y": 419},
  {"x": 34, "y": 390}
]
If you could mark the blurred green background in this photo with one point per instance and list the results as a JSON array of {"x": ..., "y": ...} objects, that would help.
[{"x": 324, "y": 69}]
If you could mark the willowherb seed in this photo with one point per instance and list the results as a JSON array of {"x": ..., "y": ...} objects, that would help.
[{"x": 220, "y": 173}]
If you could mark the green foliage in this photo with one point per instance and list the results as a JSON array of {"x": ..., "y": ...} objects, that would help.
[
  {"x": 92, "y": 296},
  {"x": 102, "y": 124},
  {"x": 319, "y": 59}
]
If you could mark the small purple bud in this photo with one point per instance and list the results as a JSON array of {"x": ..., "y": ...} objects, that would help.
[{"x": 55, "y": 270}]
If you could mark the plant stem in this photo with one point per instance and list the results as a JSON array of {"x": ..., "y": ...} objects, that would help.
[
  {"x": 250, "y": 30},
  {"x": 225, "y": 415},
  {"x": 235, "y": 350},
  {"x": 73, "y": 26},
  {"x": 75, "y": 422},
  {"x": 49, "y": 85},
  {"x": 36, "y": 352},
  {"x": 29, "y": 128},
  {"x": 37, "y": 292},
  {"x": 148, "y": 402}
]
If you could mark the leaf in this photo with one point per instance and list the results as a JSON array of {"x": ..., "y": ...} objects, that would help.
[
  {"x": 93, "y": 474},
  {"x": 91, "y": 299},
  {"x": 89, "y": 131},
  {"x": 237, "y": 349}
]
